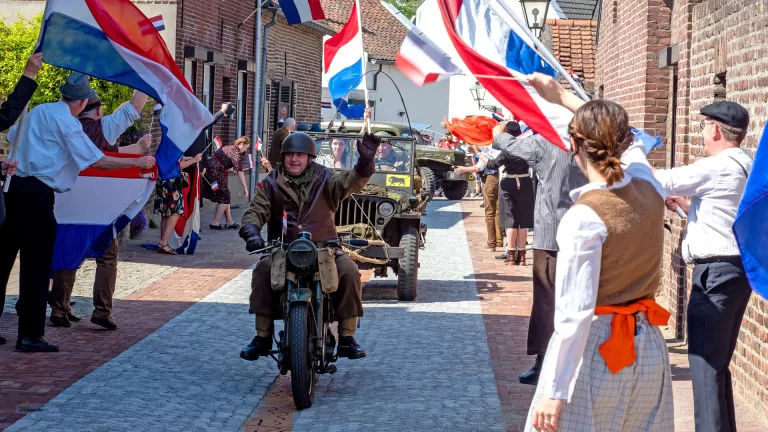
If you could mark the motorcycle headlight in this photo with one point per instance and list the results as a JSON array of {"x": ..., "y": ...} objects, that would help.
[
  {"x": 386, "y": 209},
  {"x": 302, "y": 253}
]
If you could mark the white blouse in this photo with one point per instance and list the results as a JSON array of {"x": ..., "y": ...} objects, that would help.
[{"x": 580, "y": 238}]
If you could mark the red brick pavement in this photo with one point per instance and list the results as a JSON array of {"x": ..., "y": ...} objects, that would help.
[{"x": 505, "y": 297}]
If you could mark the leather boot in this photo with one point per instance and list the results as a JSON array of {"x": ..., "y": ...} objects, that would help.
[
  {"x": 531, "y": 376},
  {"x": 259, "y": 346},
  {"x": 521, "y": 258},
  {"x": 511, "y": 258},
  {"x": 348, "y": 346}
]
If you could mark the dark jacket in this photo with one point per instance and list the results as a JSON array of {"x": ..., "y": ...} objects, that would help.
[
  {"x": 276, "y": 143},
  {"x": 314, "y": 215},
  {"x": 14, "y": 105}
]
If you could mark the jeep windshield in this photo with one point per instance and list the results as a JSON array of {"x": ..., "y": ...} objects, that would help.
[{"x": 340, "y": 152}]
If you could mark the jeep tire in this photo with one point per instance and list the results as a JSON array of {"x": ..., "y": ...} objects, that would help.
[
  {"x": 408, "y": 272},
  {"x": 430, "y": 182},
  {"x": 455, "y": 190}
]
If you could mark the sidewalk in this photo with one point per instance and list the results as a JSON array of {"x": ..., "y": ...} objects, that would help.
[
  {"x": 151, "y": 290},
  {"x": 505, "y": 293}
]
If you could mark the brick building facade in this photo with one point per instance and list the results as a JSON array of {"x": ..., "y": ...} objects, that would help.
[{"x": 663, "y": 61}]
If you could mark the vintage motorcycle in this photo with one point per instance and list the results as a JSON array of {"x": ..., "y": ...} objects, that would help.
[{"x": 305, "y": 272}]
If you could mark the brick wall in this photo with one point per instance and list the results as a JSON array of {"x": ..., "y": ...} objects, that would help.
[
  {"x": 716, "y": 39},
  {"x": 213, "y": 26}
]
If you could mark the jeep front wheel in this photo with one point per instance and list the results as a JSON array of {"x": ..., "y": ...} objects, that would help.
[
  {"x": 430, "y": 182},
  {"x": 455, "y": 190},
  {"x": 408, "y": 272}
]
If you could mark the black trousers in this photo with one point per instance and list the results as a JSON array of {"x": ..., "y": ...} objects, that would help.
[
  {"x": 542, "y": 322},
  {"x": 29, "y": 228},
  {"x": 718, "y": 300}
]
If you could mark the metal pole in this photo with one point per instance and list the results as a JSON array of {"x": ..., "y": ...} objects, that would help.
[
  {"x": 256, "y": 104},
  {"x": 263, "y": 74},
  {"x": 542, "y": 49}
]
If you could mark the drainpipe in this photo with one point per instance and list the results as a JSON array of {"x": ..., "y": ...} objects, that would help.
[{"x": 258, "y": 122}]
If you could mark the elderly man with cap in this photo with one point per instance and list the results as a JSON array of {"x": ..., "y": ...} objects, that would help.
[
  {"x": 720, "y": 291},
  {"x": 309, "y": 194},
  {"x": 104, "y": 131},
  {"x": 278, "y": 137},
  {"x": 52, "y": 150}
]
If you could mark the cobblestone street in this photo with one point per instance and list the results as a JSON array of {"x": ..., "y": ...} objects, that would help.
[{"x": 447, "y": 362}]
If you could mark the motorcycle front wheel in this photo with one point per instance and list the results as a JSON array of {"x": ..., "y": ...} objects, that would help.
[{"x": 300, "y": 334}]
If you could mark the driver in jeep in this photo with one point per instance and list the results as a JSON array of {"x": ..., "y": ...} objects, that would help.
[
  {"x": 309, "y": 193},
  {"x": 389, "y": 160}
]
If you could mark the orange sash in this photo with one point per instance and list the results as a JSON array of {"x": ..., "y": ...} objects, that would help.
[{"x": 619, "y": 350}]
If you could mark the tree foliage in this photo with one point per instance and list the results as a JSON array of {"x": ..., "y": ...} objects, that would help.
[
  {"x": 17, "y": 41},
  {"x": 407, "y": 7}
]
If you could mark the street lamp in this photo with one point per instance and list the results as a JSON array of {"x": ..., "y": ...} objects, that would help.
[
  {"x": 535, "y": 13},
  {"x": 478, "y": 95}
]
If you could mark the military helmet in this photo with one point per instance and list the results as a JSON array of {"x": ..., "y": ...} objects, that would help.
[{"x": 299, "y": 142}]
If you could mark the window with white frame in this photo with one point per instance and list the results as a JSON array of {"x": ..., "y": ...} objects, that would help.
[
  {"x": 242, "y": 100},
  {"x": 208, "y": 81}
]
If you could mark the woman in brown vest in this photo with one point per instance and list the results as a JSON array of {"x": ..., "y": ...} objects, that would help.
[{"x": 607, "y": 365}]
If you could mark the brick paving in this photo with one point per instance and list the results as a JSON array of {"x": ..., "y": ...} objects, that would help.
[
  {"x": 505, "y": 297},
  {"x": 151, "y": 289}
]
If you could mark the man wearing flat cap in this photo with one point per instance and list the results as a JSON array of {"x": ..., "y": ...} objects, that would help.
[
  {"x": 720, "y": 291},
  {"x": 104, "y": 131},
  {"x": 52, "y": 150}
]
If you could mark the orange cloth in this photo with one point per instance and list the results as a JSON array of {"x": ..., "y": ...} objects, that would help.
[
  {"x": 619, "y": 350},
  {"x": 475, "y": 130}
]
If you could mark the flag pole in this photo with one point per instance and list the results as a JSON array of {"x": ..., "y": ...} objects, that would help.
[
  {"x": 254, "y": 172},
  {"x": 542, "y": 49},
  {"x": 15, "y": 148},
  {"x": 365, "y": 59}
]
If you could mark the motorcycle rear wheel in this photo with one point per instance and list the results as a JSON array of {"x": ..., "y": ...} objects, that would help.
[{"x": 300, "y": 334}]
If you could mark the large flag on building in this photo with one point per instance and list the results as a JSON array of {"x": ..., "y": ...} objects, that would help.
[
  {"x": 114, "y": 41},
  {"x": 96, "y": 209},
  {"x": 343, "y": 63},
  {"x": 301, "y": 11},
  {"x": 751, "y": 225},
  {"x": 500, "y": 55},
  {"x": 187, "y": 230}
]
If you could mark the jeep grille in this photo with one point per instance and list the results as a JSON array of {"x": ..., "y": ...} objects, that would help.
[
  {"x": 350, "y": 213},
  {"x": 459, "y": 158}
]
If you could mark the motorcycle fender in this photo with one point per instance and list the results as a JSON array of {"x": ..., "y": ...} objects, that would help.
[{"x": 300, "y": 295}]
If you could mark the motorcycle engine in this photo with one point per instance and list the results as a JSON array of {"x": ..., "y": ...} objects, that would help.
[{"x": 302, "y": 253}]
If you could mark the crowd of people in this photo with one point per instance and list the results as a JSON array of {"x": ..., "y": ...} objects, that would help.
[{"x": 601, "y": 362}]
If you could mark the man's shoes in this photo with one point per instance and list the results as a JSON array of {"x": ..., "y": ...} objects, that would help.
[
  {"x": 60, "y": 321},
  {"x": 39, "y": 344},
  {"x": 107, "y": 323},
  {"x": 502, "y": 256},
  {"x": 490, "y": 249},
  {"x": 73, "y": 317},
  {"x": 259, "y": 346},
  {"x": 349, "y": 348},
  {"x": 2, "y": 340},
  {"x": 531, "y": 376}
]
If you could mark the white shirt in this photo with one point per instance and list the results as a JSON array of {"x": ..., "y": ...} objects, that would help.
[
  {"x": 488, "y": 151},
  {"x": 53, "y": 147},
  {"x": 715, "y": 185},
  {"x": 116, "y": 123},
  {"x": 580, "y": 238}
]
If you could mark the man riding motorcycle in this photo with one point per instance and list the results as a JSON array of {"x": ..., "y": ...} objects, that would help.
[{"x": 309, "y": 194}]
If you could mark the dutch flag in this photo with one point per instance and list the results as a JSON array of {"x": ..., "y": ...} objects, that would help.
[{"x": 343, "y": 63}]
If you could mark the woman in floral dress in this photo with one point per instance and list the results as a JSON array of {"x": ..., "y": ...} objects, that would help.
[
  {"x": 170, "y": 204},
  {"x": 215, "y": 186}
]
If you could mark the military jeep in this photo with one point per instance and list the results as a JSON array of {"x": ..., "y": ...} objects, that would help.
[
  {"x": 386, "y": 214},
  {"x": 435, "y": 165}
]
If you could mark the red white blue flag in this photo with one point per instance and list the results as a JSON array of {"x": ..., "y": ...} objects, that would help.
[
  {"x": 87, "y": 225},
  {"x": 114, "y": 41},
  {"x": 301, "y": 11},
  {"x": 344, "y": 65},
  {"x": 187, "y": 230}
]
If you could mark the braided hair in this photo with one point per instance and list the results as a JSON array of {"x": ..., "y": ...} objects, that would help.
[{"x": 601, "y": 129}]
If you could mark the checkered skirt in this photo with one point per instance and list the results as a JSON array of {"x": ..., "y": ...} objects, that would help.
[{"x": 638, "y": 398}]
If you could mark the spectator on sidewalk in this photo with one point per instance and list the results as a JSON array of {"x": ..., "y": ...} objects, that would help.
[
  {"x": 277, "y": 140},
  {"x": 559, "y": 175},
  {"x": 216, "y": 186},
  {"x": 169, "y": 203},
  {"x": 517, "y": 199},
  {"x": 103, "y": 131},
  {"x": 720, "y": 293},
  {"x": 55, "y": 150},
  {"x": 607, "y": 366},
  {"x": 490, "y": 195}
]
